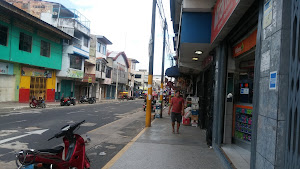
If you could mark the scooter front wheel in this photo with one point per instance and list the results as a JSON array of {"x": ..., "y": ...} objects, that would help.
[{"x": 31, "y": 105}]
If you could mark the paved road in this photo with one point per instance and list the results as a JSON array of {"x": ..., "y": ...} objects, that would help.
[{"x": 21, "y": 122}]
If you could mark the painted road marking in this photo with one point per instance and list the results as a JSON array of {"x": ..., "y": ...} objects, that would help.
[
  {"x": 24, "y": 135},
  {"x": 14, "y": 122}
]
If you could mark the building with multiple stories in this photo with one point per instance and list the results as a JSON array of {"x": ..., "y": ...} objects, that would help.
[{"x": 31, "y": 54}]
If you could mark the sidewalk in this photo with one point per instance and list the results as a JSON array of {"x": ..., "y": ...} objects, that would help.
[{"x": 158, "y": 147}]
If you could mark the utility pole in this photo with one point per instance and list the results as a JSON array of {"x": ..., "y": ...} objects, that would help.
[
  {"x": 116, "y": 95},
  {"x": 151, "y": 58},
  {"x": 163, "y": 70}
]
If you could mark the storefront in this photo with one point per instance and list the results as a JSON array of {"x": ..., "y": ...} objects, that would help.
[
  {"x": 242, "y": 84},
  {"x": 38, "y": 83},
  {"x": 110, "y": 91},
  {"x": 205, "y": 92},
  {"x": 85, "y": 86},
  {"x": 8, "y": 82}
]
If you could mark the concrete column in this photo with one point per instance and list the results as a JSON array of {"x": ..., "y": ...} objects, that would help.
[
  {"x": 219, "y": 95},
  {"x": 270, "y": 106}
]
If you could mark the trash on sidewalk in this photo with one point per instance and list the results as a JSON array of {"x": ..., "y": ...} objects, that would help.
[
  {"x": 157, "y": 109},
  {"x": 102, "y": 153},
  {"x": 186, "y": 121}
]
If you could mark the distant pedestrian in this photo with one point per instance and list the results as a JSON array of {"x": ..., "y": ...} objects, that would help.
[{"x": 177, "y": 106}]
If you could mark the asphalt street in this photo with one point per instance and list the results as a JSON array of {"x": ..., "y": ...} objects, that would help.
[{"x": 16, "y": 129}]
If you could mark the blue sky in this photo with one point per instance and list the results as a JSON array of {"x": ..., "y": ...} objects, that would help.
[{"x": 127, "y": 24}]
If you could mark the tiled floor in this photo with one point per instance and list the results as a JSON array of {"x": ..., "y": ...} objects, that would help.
[
  {"x": 159, "y": 148},
  {"x": 239, "y": 157}
]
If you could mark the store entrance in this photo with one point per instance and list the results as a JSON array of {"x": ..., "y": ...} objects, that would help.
[{"x": 38, "y": 87}]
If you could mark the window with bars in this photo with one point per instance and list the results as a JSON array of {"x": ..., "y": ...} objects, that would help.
[
  {"x": 3, "y": 35},
  {"x": 75, "y": 62},
  {"x": 97, "y": 66},
  {"x": 45, "y": 48},
  {"x": 85, "y": 42},
  {"x": 98, "y": 47},
  {"x": 25, "y": 42},
  {"x": 104, "y": 49}
]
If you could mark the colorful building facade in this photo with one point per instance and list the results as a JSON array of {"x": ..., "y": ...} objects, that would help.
[{"x": 31, "y": 52}]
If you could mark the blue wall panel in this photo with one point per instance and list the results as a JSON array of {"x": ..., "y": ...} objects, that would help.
[{"x": 196, "y": 27}]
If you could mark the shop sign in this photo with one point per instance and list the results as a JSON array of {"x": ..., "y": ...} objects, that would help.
[
  {"x": 273, "y": 80},
  {"x": 107, "y": 81},
  {"x": 245, "y": 45},
  {"x": 221, "y": 13},
  {"x": 89, "y": 78},
  {"x": 27, "y": 71},
  {"x": 74, "y": 73},
  {"x": 244, "y": 91},
  {"x": 268, "y": 14},
  {"x": 6, "y": 68},
  {"x": 207, "y": 61}
]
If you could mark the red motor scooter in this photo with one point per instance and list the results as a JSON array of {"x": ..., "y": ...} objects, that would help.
[
  {"x": 37, "y": 103},
  {"x": 75, "y": 156}
]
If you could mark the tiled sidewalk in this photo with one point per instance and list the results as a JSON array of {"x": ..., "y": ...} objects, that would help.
[{"x": 158, "y": 147}]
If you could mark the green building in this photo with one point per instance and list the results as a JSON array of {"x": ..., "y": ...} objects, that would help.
[{"x": 31, "y": 52}]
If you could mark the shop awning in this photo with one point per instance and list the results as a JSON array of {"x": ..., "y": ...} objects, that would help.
[
  {"x": 81, "y": 55},
  {"x": 172, "y": 72}
]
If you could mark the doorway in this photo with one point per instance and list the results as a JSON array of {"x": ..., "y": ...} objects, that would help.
[{"x": 38, "y": 87}]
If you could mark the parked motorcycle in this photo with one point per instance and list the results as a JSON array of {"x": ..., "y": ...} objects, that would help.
[
  {"x": 67, "y": 101},
  {"x": 153, "y": 105},
  {"x": 75, "y": 156},
  {"x": 37, "y": 103},
  {"x": 89, "y": 100},
  {"x": 73, "y": 100}
]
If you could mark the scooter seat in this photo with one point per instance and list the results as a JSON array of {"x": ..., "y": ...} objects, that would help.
[{"x": 55, "y": 150}]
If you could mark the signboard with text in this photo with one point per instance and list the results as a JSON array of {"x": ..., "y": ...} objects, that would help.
[
  {"x": 245, "y": 45},
  {"x": 273, "y": 80},
  {"x": 107, "y": 81},
  {"x": 89, "y": 78},
  {"x": 221, "y": 13},
  {"x": 6, "y": 68},
  {"x": 27, "y": 71},
  {"x": 75, "y": 73}
]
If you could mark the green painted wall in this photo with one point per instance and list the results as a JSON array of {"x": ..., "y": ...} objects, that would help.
[
  {"x": 17, "y": 74},
  {"x": 12, "y": 53},
  {"x": 4, "y": 54}
]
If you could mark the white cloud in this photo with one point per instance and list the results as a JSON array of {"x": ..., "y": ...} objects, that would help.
[{"x": 127, "y": 24}]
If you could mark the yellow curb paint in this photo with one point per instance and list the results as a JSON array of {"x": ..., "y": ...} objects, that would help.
[{"x": 120, "y": 153}]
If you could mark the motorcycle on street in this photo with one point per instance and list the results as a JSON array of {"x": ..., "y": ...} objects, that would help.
[
  {"x": 153, "y": 105},
  {"x": 67, "y": 101},
  {"x": 75, "y": 155},
  {"x": 85, "y": 99},
  {"x": 73, "y": 100},
  {"x": 37, "y": 103}
]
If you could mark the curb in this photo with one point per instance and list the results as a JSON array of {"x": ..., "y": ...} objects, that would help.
[{"x": 7, "y": 110}]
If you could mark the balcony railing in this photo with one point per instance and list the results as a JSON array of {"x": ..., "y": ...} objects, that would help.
[
  {"x": 77, "y": 43},
  {"x": 61, "y": 12}
]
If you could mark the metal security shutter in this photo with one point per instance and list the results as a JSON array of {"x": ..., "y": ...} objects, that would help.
[{"x": 292, "y": 156}]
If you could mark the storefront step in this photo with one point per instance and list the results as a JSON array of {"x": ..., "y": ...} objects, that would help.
[{"x": 239, "y": 157}]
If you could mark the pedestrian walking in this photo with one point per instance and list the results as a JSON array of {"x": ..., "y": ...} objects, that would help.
[{"x": 177, "y": 106}]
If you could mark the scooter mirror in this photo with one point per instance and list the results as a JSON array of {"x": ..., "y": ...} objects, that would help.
[{"x": 65, "y": 128}]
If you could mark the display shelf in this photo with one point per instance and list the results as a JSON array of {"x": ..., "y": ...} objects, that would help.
[
  {"x": 244, "y": 132},
  {"x": 243, "y": 136},
  {"x": 243, "y": 122}
]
